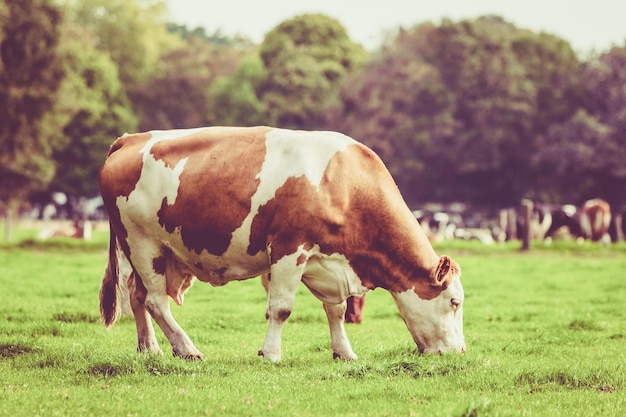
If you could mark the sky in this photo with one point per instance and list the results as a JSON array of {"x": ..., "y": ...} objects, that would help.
[{"x": 587, "y": 25}]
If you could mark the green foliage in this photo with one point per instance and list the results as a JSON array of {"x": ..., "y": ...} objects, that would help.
[
  {"x": 97, "y": 108},
  {"x": 545, "y": 334},
  {"x": 216, "y": 38},
  {"x": 478, "y": 110},
  {"x": 575, "y": 157},
  {"x": 306, "y": 57},
  {"x": 458, "y": 110},
  {"x": 178, "y": 95},
  {"x": 233, "y": 99},
  {"x": 30, "y": 76},
  {"x": 584, "y": 155},
  {"x": 132, "y": 32}
]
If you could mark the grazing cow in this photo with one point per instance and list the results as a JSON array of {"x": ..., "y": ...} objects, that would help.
[
  {"x": 591, "y": 221},
  {"x": 595, "y": 219},
  {"x": 227, "y": 203},
  {"x": 541, "y": 222},
  {"x": 565, "y": 217}
]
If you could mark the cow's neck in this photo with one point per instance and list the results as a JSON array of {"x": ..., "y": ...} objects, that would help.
[{"x": 398, "y": 258}]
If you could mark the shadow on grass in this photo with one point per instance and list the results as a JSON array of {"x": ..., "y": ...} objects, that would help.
[
  {"x": 595, "y": 379},
  {"x": 154, "y": 365},
  {"x": 13, "y": 350}
]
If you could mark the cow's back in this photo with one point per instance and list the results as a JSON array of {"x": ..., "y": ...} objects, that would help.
[{"x": 229, "y": 192}]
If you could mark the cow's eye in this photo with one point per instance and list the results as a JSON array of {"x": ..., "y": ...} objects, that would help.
[{"x": 455, "y": 302}]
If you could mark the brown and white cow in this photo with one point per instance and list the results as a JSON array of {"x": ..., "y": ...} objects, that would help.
[
  {"x": 595, "y": 219},
  {"x": 228, "y": 203},
  {"x": 591, "y": 221}
]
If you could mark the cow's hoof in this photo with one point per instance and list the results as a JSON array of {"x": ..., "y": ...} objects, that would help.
[
  {"x": 188, "y": 356},
  {"x": 149, "y": 350},
  {"x": 347, "y": 357},
  {"x": 270, "y": 358}
]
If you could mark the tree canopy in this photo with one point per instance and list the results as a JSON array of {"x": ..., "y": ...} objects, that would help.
[
  {"x": 306, "y": 58},
  {"x": 459, "y": 110},
  {"x": 31, "y": 74},
  {"x": 476, "y": 110}
]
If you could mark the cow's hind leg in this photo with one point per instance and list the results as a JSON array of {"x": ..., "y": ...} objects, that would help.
[
  {"x": 157, "y": 303},
  {"x": 146, "y": 338},
  {"x": 338, "y": 338}
]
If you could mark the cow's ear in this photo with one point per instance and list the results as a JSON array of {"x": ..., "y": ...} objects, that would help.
[{"x": 444, "y": 271}]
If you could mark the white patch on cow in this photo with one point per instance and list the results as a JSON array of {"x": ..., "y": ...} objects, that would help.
[
  {"x": 436, "y": 324},
  {"x": 157, "y": 181},
  {"x": 289, "y": 154},
  {"x": 330, "y": 277},
  {"x": 569, "y": 209},
  {"x": 307, "y": 153}
]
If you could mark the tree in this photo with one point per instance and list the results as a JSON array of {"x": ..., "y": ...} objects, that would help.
[
  {"x": 573, "y": 163},
  {"x": 458, "y": 110},
  {"x": 177, "y": 94},
  {"x": 233, "y": 99},
  {"x": 553, "y": 67},
  {"x": 100, "y": 111},
  {"x": 305, "y": 59},
  {"x": 30, "y": 76},
  {"x": 584, "y": 156},
  {"x": 133, "y": 32},
  {"x": 401, "y": 128}
]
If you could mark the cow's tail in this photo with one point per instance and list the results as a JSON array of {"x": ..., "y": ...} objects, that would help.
[{"x": 109, "y": 306}]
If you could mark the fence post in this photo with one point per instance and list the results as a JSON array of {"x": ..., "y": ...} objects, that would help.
[
  {"x": 527, "y": 210},
  {"x": 619, "y": 232}
]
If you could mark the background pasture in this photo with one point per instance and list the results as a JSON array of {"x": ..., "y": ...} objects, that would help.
[{"x": 546, "y": 335}]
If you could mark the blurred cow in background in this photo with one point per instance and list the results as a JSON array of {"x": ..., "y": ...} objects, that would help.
[
  {"x": 595, "y": 220},
  {"x": 591, "y": 221}
]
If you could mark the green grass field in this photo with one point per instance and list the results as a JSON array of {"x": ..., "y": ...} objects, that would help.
[{"x": 545, "y": 331}]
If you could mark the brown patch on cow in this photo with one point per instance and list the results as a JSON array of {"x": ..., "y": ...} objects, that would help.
[
  {"x": 198, "y": 266},
  {"x": 283, "y": 314},
  {"x": 354, "y": 309},
  {"x": 361, "y": 216},
  {"x": 595, "y": 219},
  {"x": 118, "y": 177},
  {"x": 218, "y": 182},
  {"x": 266, "y": 278},
  {"x": 161, "y": 213},
  {"x": 159, "y": 264},
  {"x": 220, "y": 272},
  {"x": 136, "y": 288},
  {"x": 122, "y": 170},
  {"x": 302, "y": 259}
]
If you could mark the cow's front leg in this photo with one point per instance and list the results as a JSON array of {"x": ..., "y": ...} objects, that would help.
[
  {"x": 338, "y": 338},
  {"x": 280, "y": 300}
]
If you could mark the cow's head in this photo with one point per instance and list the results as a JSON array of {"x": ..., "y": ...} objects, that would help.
[{"x": 436, "y": 323}]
